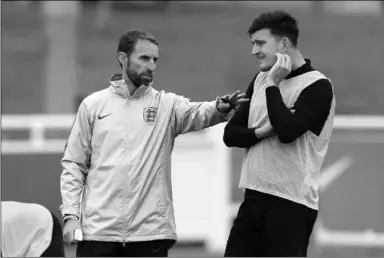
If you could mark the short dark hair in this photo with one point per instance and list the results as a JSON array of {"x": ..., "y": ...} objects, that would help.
[
  {"x": 279, "y": 22},
  {"x": 129, "y": 38}
]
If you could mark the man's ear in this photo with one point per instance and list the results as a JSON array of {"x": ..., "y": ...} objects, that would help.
[
  {"x": 284, "y": 45},
  {"x": 123, "y": 59}
]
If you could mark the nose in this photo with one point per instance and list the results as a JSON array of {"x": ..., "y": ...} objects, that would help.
[
  {"x": 255, "y": 49},
  {"x": 152, "y": 65}
]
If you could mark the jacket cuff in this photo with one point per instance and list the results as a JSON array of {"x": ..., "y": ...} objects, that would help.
[
  {"x": 70, "y": 217},
  {"x": 69, "y": 211},
  {"x": 225, "y": 115}
]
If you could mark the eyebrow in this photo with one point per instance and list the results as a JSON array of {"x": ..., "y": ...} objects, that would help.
[
  {"x": 258, "y": 41},
  {"x": 150, "y": 56}
]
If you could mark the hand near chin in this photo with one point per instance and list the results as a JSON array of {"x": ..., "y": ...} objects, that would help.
[{"x": 279, "y": 70}]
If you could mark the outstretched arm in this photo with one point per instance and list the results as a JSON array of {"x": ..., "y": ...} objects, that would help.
[{"x": 192, "y": 116}]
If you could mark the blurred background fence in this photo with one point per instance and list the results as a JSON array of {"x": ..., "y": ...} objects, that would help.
[{"x": 56, "y": 53}]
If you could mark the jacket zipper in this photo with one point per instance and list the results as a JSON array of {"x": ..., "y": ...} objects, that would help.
[
  {"x": 124, "y": 190},
  {"x": 124, "y": 208},
  {"x": 124, "y": 223}
]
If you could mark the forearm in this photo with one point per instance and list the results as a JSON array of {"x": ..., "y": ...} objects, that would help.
[
  {"x": 71, "y": 186},
  {"x": 283, "y": 121},
  {"x": 238, "y": 136},
  {"x": 311, "y": 110},
  {"x": 75, "y": 162},
  {"x": 198, "y": 116}
]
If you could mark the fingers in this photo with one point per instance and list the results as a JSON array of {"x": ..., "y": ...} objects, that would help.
[
  {"x": 280, "y": 59},
  {"x": 234, "y": 100},
  {"x": 69, "y": 233},
  {"x": 240, "y": 101},
  {"x": 285, "y": 61},
  {"x": 289, "y": 64},
  {"x": 226, "y": 97},
  {"x": 233, "y": 95},
  {"x": 266, "y": 130},
  {"x": 68, "y": 237},
  {"x": 74, "y": 242},
  {"x": 241, "y": 96}
]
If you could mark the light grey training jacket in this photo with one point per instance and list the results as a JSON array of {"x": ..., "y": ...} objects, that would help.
[{"x": 117, "y": 161}]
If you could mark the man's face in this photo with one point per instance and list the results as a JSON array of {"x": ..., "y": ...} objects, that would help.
[
  {"x": 142, "y": 63},
  {"x": 264, "y": 47}
]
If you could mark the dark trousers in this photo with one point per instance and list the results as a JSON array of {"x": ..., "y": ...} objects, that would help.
[
  {"x": 56, "y": 247},
  {"x": 156, "y": 248},
  {"x": 271, "y": 226}
]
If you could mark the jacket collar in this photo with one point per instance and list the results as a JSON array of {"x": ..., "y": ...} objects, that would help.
[
  {"x": 305, "y": 68},
  {"x": 119, "y": 87}
]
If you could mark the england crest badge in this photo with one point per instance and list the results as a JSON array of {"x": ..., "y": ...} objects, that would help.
[{"x": 149, "y": 115}]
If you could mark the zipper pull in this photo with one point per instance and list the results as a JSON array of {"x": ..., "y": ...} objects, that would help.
[{"x": 124, "y": 243}]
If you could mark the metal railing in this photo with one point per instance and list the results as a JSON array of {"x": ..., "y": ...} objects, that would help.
[{"x": 37, "y": 142}]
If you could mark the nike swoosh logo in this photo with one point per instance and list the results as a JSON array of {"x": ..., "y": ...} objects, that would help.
[{"x": 101, "y": 117}]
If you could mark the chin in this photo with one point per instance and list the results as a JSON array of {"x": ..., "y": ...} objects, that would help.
[
  {"x": 264, "y": 68},
  {"x": 146, "y": 82}
]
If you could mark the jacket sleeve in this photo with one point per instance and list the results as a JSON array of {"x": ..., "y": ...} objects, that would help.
[
  {"x": 236, "y": 132},
  {"x": 192, "y": 116},
  {"x": 75, "y": 163}
]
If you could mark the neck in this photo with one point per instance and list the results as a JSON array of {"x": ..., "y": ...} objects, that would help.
[
  {"x": 297, "y": 59},
  {"x": 131, "y": 87}
]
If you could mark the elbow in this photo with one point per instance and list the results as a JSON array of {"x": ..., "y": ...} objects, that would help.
[
  {"x": 287, "y": 133},
  {"x": 227, "y": 139},
  {"x": 228, "y": 143},
  {"x": 286, "y": 139},
  {"x": 285, "y": 136}
]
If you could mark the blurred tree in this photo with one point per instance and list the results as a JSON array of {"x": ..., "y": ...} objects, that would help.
[{"x": 61, "y": 65}]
